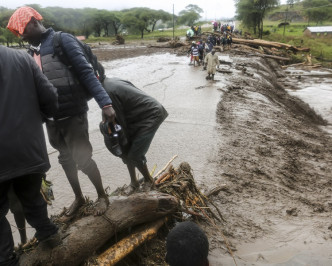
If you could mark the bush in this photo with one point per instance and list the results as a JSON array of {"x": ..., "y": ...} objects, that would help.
[
  {"x": 3, "y": 40},
  {"x": 266, "y": 32}
]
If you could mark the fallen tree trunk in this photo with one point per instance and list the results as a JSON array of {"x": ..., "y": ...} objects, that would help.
[
  {"x": 121, "y": 249},
  {"x": 86, "y": 235},
  {"x": 273, "y": 57},
  {"x": 170, "y": 44},
  {"x": 264, "y": 43}
]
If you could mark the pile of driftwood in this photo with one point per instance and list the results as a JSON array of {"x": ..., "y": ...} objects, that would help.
[{"x": 85, "y": 236}]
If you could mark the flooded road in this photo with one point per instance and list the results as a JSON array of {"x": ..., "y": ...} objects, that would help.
[
  {"x": 259, "y": 149},
  {"x": 191, "y": 102}
]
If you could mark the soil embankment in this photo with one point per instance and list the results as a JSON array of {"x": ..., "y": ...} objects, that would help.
[{"x": 276, "y": 163}]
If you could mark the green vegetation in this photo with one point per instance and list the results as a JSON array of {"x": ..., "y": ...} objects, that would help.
[
  {"x": 320, "y": 47},
  {"x": 94, "y": 23},
  {"x": 190, "y": 15},
  {"x": 297, "y": 16},
  {"x": 253, "y": 12}
]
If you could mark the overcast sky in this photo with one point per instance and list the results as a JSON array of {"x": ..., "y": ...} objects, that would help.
[{"x": 213, "y": 9}]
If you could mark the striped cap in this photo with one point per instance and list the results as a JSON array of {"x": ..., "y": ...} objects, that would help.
[{"x": 21, "y": 17}]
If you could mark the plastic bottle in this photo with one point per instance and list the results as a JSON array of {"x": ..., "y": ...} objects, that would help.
[
  {"x": 122, "y": 137},
  {"x": 115, "y": 141}
]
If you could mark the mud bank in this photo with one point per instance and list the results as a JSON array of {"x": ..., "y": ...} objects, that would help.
[{"x": 276, "y": 162}]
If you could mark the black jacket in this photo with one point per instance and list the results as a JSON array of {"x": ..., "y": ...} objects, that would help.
[
  {"x": 24, "y": 93},
  {"x": 71, "y": 84},
  {"x": 137, "y": 112}
]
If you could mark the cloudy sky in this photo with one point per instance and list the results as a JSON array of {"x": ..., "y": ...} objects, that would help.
[{"x": 213, "y": 9}]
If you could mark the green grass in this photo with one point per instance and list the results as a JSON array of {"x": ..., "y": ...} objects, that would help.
[
  {"x": 319, "y": 47},
  {"x": 147, "y": 36}
]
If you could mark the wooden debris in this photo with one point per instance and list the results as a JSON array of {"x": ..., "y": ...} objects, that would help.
[
  {"x": 124, "y": 247},
  {"x": 264, "y": 43},
  {"x": 224, "y": 71},
  {"x": 86, "y": 235},
  {"x": 163, "y": 39},
  {"x": 293, "y": 65},
  {"x": 170, "y": 44},
  {"x": 165, "y": 167},
  {"x": 280, "y": 58},
  {"x": 223, "y": 62}
]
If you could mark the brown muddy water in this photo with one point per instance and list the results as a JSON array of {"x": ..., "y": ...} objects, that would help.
[
  {"x": 192, "y": 133},
  {"x": 191, "y": 102},
  {"x": 313, "y": 87}
]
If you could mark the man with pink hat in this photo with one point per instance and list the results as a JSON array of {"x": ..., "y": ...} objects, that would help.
[{"x": 68, "y": 129}]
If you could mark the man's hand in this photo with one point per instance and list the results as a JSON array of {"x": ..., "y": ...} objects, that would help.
[{"x": 108, "y": 114}]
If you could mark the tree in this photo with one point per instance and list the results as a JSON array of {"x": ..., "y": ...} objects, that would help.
[
  {"x": 318, "y": 10},
  {"x": 157, "y": 15},
  {"x": 89, "y": 20},
  {"x": 6, "y": 35},
  {"x": 116, "y": 23},
  {"x": 252, "y": 13},
  {"x": 97, "y": 23},
  {"x": 190, "y": 15},
  {"x": 141, "y": 19}
]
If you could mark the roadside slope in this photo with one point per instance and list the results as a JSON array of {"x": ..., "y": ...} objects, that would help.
[{"x": 277, "y": 163}]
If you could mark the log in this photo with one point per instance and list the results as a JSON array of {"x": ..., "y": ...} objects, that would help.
[
  {"x": 88, "y": 234},
  {"x": 293, "y": 65},
  {"x": 264, "y": 43},
  {"x": 224, "y": 71},
  {"x": 124, "y": 247},
  {"x": 271, "y": 56}
]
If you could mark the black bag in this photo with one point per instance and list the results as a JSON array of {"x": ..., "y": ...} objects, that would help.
[{"x": 97, "y": 67}]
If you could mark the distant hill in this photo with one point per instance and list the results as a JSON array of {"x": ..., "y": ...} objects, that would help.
[{"x": 294, "y": 14}]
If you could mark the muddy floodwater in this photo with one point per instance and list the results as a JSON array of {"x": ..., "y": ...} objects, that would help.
[
  {"x": 313, "y": 87},
  {"x": 242, "y": 130},
  {"x": 188, "y": 131}
]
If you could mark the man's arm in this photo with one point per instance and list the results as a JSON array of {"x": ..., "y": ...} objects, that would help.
[
  {"x": 86, "y": 75},
  {"x": 47, "y": 93},
  {"x": 84, "y": 70}
]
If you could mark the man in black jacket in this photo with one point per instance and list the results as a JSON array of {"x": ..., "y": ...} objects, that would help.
[
  {"x": 68, "y": 129},
  {"x": 139, "y": 115},
  {"x": 25, "y": 96}
]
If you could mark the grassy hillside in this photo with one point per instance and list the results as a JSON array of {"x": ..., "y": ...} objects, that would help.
[{"x": 293, "y": 33}]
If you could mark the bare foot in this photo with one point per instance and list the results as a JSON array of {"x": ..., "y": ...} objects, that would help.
[
  {"x": 101, "y": 205},
  {"x": 78, "y": 202},
  {"x": 131, "y": 189},
  {"x": 147, "y": 186}
]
